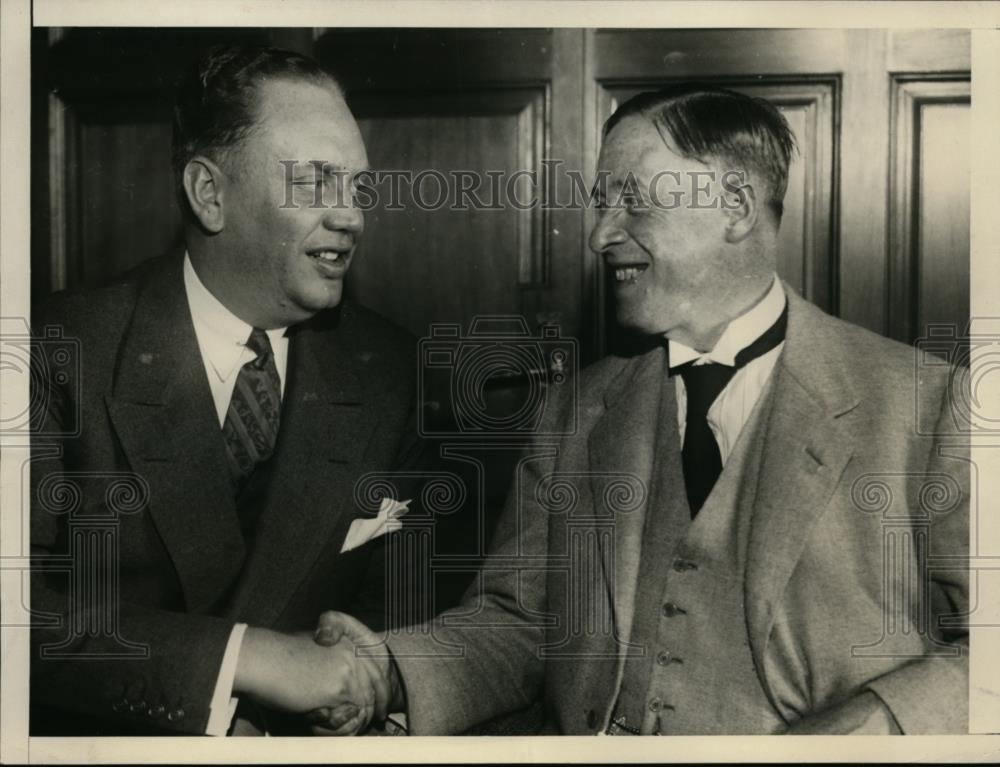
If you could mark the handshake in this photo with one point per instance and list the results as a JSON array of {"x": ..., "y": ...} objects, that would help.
[{"x": 341, "y": 678}]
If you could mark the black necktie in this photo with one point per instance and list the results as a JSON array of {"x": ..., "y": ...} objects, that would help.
[
  {"x": 251, "y": 426},
  {"x": 700, "y": 454}
]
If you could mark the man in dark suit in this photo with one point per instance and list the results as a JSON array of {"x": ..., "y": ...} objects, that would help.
[
  {"x": 758, "y": 526},
  {"x": 227, "y": 404}
]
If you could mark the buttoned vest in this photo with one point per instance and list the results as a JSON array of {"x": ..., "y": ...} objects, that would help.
[{"x": 697, "y": 674}]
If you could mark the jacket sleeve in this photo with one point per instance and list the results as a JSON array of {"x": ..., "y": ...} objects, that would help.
[
  {"x": 930, "y": 695},
  {"x": 482, "y": 659},
  {"x": 96, "y": 656}
]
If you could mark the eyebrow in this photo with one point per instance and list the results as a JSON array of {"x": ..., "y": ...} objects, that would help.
[
  {"x": 612, "y": 185},
  {"x": 329, "y": 170}
]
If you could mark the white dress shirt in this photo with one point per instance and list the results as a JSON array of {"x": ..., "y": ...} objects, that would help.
[
  {"x": 731, "y": 409},
  {"x": 222, "y": 339}
]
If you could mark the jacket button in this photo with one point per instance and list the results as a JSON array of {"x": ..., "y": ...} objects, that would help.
[
  {"x": 655, "y": 705},
  {"x": 663, "y": 657},
  {"x": 683, "y": 565},
  {"x": 670, "y": 610},
  {"x": 176, "y": 714},
  {"x": 592, "y": 719}
]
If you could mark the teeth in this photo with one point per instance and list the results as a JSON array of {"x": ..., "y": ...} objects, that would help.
[
  {"x": 626, "y": 274},
  {"x": 328, "y": 255}
]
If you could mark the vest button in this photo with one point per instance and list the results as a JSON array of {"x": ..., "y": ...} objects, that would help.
[
  {"x": 655, "y": 705},
  {"x": 683, "y": 565},
  {"x": 670, "y": 610},
  {"x": 663, "y": 658},
  {"x": 591, "y": 719}
]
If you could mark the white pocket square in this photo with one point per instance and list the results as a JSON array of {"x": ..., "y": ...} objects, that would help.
[{"x": 388, "y": 520}]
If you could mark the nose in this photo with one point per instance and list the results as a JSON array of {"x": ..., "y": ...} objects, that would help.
[
  {"x": 347, "y": 218},
  {"x": 607, "y": 231}
]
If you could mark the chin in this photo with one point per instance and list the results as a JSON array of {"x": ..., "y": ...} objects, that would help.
[
  {"x": 636, "y": 324},
  {"x": 322, "y": 298}
]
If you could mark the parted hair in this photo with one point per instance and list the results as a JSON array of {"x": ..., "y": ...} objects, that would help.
[
  {"x": 215, "y": 107},
  {"x": 707, "y": 122}
]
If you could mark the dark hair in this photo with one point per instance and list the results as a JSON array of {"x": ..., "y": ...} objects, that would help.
[
  {"x": 216, "y": 104},
  {"x": 700, "y": 121}
]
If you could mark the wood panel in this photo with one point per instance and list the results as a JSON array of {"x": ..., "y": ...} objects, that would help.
[
  {"x": 687, "y": 54},
  {"x": 127, "y": 206},
  {"x": 111, "y": 187},
  {"x": 924, "y": 50},
  {"x": 929, "y": 206},
  {"x": 863, "y": 190},
  {"x": 430, "y": 255},
  {"x": 386, "y": 59}
]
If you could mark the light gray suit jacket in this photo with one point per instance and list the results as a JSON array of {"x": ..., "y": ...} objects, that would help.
[{"x": 863, "y": 460}]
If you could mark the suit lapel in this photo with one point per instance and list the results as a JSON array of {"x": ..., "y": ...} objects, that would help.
[
  {"x": 162, "y": 412},
  {"x": 326, "y": 423},
  {"x": 807, "y": 447},
  {"x": 624, "y": 442}
]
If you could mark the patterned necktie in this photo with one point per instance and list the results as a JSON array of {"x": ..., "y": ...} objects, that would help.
[
  {"x": 700, "y": 456},
  {"x": 251, "y": 426}
]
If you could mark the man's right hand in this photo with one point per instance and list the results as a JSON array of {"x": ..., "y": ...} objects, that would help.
[
  {"x": 293, "y": 673},
  {"x": 376, "y": 667}
]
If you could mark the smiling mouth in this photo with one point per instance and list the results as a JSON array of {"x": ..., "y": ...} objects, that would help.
[
  {"x": 328, "y": 256},
  {"x": 628, "y": 272}
]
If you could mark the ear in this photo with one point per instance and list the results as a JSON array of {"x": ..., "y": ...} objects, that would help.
[
  {"x": 204, "y": 187},
  {"x": 739, "y": 204}
]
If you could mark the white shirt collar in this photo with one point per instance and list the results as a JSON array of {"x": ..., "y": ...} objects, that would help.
[
  {"x": 739, "y": 333},
  {"x": 221, "y": 334}
]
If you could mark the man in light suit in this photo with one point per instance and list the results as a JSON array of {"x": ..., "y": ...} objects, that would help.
[
  {"x": 227, "y": 403},
  {"x": 757, "y": 527}
]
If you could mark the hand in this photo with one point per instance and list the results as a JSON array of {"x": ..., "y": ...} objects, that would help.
[
  {"x": 864, "y": 714},
  {"x": 291, "y": 672},
  {"x": 375, "y": 666}
]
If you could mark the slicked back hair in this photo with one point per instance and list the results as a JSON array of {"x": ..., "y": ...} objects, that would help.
[
  {"x": 706, "y": 122},
  {"x": 216, "y": 104}
]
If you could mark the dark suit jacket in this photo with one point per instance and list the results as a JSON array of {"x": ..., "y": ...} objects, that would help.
[
  {"x": 131, "y": 497},
  {"x": 863, "y": 461}
]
